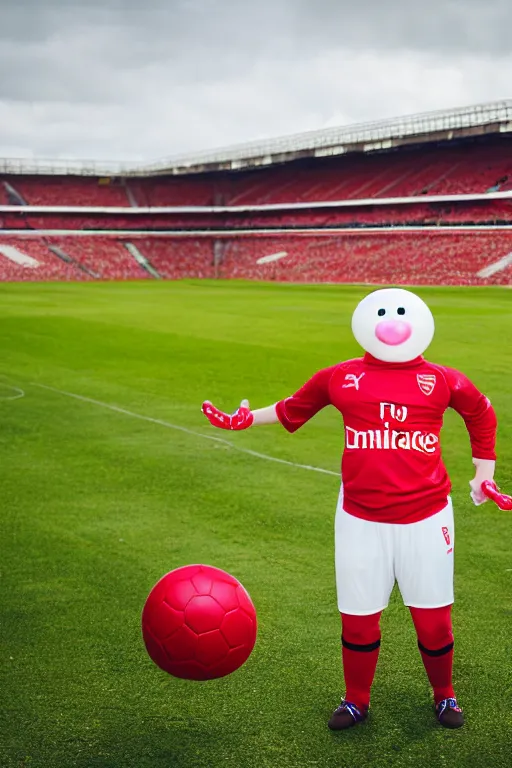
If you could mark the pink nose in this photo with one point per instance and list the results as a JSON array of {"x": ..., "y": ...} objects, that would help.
[{"x": 393, "y": 332}]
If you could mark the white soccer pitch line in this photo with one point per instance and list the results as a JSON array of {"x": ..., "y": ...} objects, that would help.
[
  {"x": 187, "y": 431},
  {"x": 18, "y": 392}
]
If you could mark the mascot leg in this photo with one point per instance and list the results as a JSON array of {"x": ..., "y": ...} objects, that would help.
[
  {"x": 364, "y": 581},
  {"x": 424, "y": 571},
  {"x": 360, "y": 642},
  {"x": 435, "y": 641}
]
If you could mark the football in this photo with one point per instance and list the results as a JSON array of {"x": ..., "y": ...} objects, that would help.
[{"x": 199, "y": 623}]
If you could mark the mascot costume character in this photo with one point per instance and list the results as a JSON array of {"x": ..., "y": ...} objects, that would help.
[{"x": 394, "y": 519}]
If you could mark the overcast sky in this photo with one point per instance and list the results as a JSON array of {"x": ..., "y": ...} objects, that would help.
[{"x": 148, "y": 79}]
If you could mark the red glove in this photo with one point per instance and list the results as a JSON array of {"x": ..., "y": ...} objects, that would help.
[
  {"x": 242, "y": 418},
  {"x": 492, "y": 491}
]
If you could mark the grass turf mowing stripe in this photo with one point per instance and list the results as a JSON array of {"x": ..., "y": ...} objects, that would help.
[{"x": 168, "y": 425}]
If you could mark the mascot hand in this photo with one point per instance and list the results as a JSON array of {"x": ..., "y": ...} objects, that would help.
[
  {"x": 242, "y": 418},
  {"x": 484, "y": 471}
]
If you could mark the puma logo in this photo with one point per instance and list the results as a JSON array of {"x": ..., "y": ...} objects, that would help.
[{"x": 352, "y": 380}]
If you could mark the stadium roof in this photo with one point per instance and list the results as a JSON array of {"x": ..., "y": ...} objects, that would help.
[{"x": 492, "y": 118}]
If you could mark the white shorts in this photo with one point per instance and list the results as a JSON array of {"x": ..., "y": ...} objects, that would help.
[{"x": 370, "y": 557}]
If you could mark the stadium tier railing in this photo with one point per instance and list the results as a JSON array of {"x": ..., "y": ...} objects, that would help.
[{"x": 250, "y": 208}]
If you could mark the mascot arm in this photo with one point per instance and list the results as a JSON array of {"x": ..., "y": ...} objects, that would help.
[
  {"x": 292, "y": 412},
  {"x": 480, "y": 420},
  {"x": 266, "y": 415}
]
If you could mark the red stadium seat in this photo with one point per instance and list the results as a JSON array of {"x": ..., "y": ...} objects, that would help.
[
  {"x": 69, "y": 191},
  {"x": 421, "y": 258}
]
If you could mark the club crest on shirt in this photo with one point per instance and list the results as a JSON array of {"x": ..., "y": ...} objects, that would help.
[{"x": 426, "y": 382}]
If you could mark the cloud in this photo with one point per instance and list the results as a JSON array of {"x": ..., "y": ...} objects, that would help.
[
  {"x": 128, "y": 80},
  {"x": 443, "y": 26}
]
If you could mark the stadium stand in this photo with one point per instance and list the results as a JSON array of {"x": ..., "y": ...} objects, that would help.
[
  {"x": 41, "y": 263},
  {"x": 179, "y": 258},
  {"x": 422, "y": 258},
  {"x": 102, "y": 224},
  {"x": 70, "y": 258},
  {"x": 471, "y": 167},
  {"x": 105, "y": 257},
  {"x": 174, "y": 191},
  {"x": 105, "y": 192},
  {"x": 69, "y": 191}
]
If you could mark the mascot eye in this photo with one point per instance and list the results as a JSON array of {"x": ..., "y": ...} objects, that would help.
[
  {"x": 381, "y": 312},
  {"x": 400, "y": 311}
]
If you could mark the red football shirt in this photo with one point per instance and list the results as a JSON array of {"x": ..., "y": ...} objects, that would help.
[{"x": 391, "y": 469}]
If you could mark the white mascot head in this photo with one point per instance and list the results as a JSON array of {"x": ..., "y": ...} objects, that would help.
[{"x": 393, "y": 325}]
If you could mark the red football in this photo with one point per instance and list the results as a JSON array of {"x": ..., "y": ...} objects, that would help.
[{"x": 199, "y": 623}]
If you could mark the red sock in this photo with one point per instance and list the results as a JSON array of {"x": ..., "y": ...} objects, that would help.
[
  {"x": 360, "y": 651},
  {"x": 435, "y": 641}
]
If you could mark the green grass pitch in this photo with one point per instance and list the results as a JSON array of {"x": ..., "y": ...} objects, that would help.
[{"x": 96, "y": 505}]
